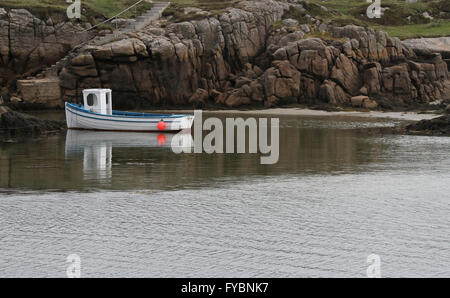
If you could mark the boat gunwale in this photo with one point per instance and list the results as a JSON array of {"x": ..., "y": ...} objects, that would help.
[
  {"x": 137, "y": 120},
  {"x": 125, "y": 115}
]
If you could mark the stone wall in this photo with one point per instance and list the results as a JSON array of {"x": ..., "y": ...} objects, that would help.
[{"x": 42, "y": 92}]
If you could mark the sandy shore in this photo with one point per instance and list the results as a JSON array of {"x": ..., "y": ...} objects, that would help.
[{"x": 407, "y": 116}]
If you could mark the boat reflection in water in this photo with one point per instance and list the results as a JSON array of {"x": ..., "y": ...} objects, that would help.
[{"x": 97, "y": 147}]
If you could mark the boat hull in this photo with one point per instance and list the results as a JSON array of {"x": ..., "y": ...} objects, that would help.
[{"x": 80, "y": 119}]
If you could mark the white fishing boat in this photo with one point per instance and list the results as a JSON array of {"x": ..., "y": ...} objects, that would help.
[{"x": 96, "y": 114}]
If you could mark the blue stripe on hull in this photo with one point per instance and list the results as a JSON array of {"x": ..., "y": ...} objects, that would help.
[
  {"x": 119, "y": 114},
  {"x": 117, "y": 120}
]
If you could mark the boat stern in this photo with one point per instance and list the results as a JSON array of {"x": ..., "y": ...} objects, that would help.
[{"x": 69, "y": 117}]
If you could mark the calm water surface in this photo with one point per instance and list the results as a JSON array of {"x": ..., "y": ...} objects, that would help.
[{"x": 130, "y": 207}]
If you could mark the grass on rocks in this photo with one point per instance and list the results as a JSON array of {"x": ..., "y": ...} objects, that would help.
[
  {"x": 401, "y": 19},
  {"x": 90, "y": 8},
  {"x": 176, "y": 9}
]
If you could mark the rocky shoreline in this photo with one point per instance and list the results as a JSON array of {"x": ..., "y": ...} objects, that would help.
[
  {"x": 251, "y": 56},
  {"x": 437, "y": 127},
  {"x": 17, "y": 125},
  {"x": 240, "y": 58},
  {"x": 248, "y": 56}
]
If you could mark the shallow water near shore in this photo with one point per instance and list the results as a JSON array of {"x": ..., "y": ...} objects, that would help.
[{"x": 130, "y": 207}]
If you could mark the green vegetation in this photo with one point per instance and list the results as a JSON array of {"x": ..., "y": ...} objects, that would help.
[
  {"x": 91, "y": 9},
  {"x": 209, "y": 5},
  {"x": 433, "y": 29},
  {"x": 175, "y": 10},
  {"x": 404, "y": 20},
  {"x": 401, "y": 19}
]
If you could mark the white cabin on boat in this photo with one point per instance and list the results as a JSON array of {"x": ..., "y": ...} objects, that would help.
[{"x": 98, "y": 101}]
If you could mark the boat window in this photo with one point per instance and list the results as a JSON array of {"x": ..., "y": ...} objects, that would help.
[
  {"x": 107, "y": 98},
  {"x": 91, "y": 100}
]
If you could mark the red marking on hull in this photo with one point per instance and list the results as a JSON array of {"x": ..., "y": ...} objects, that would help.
[{"x": 161, "y": 125}]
